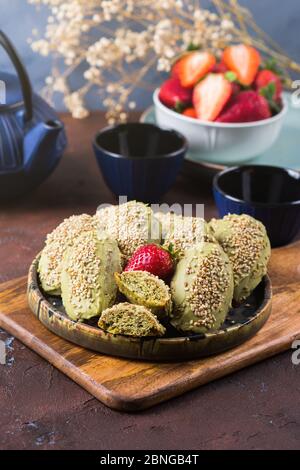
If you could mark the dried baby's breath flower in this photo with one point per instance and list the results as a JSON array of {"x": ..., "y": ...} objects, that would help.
[{"x": 117, "y": 42}]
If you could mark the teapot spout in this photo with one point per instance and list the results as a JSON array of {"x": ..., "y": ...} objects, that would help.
[{"x": 40, "y": 146}]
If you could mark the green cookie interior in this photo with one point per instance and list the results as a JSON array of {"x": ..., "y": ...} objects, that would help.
[
  {"x": 131, "y": 320},
  {"x": 143, "y": 288}
]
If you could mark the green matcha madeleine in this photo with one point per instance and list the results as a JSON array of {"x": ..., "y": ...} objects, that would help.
[
  {"x": 247, "y": 245},
  {"x": 57, "y": 242},
  {"x": 167, "y": 220},
  {"x": 184, "y": 232},
  {"x": 87, "y": 279},
  {"x": 202, "y": 289},
  {"x": 132, "y": 224},
  {"x": 131, "y": 320},
  {"x": 143, "y": 288}
]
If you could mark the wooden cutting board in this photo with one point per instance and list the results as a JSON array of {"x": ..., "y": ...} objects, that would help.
[{"x": 130, "y": 385}]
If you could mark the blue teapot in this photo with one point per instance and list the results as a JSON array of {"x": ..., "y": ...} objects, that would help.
[{"x": 32, "y": 138}]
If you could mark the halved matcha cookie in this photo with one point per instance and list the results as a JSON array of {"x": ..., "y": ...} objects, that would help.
[
  {"x": 143, "y": 288},
  {"x": 57, "y": 242},
  {"x": 87, "y": 280},
  {"x": 245, "y": 241},
  {"x": 202, "y": 289},
  {"x": 131, "y": 320}
]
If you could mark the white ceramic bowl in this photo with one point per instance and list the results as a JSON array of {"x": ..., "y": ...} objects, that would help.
[{"x": 217, "y": 142}]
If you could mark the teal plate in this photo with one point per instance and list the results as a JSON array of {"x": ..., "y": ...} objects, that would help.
[{"x": 284, "y": 153}]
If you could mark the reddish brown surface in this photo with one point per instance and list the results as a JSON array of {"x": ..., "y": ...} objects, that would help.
[{"x": 40, "y": 408}]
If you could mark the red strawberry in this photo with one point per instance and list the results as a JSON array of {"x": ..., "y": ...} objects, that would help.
[
  {"x": 236, "y": 88},
  {"x": 219, "y": 67},
  {"x": 190, "y": 112},
  {"x": 194, "y": 66},
  {"x": 175, "y": 69},
  {"x": 244, "y": 61},
  {"x": 152, "y": 258},
  {"x": 264, "y": 78},
  {"x": 172, "y": 94},
  {"x": 211, "y": 95},
  {"x": 247, "y": 106},
  {"x": 232, "y": 78}
]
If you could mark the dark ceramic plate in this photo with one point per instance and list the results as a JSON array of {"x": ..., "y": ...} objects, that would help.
[{"x": 242, "y": 323}]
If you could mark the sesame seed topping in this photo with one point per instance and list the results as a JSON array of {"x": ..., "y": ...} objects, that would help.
[
  {"x": 56, "y": 244},
  {"x": 132, "y": 224},
  {"x": 205, "y": 294},
  {"x": 184, "y": 232},
  {"x": 83, "y": 268},
  {"x": 244, "y": 244}
]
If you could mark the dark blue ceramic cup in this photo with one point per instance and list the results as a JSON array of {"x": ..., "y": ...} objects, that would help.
[
  {"x": 140, "y": 161},
  {"x": 270, "y": 194}
]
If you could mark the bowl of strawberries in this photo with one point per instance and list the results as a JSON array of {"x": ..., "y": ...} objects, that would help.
[{"x": 229, "y": 110}]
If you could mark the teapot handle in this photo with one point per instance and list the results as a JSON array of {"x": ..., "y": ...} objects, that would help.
[{"x": 22, "y": 74}]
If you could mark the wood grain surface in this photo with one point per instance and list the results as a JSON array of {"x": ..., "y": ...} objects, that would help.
[{"x": 133, "y": 385}]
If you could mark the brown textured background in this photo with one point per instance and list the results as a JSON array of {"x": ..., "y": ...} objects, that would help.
[{"x": 40, "y": 408}]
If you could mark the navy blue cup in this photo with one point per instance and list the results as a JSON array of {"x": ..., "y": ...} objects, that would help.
[
  {"x": 270, "y": 194},
  {"x": 138, "y": 160}
]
